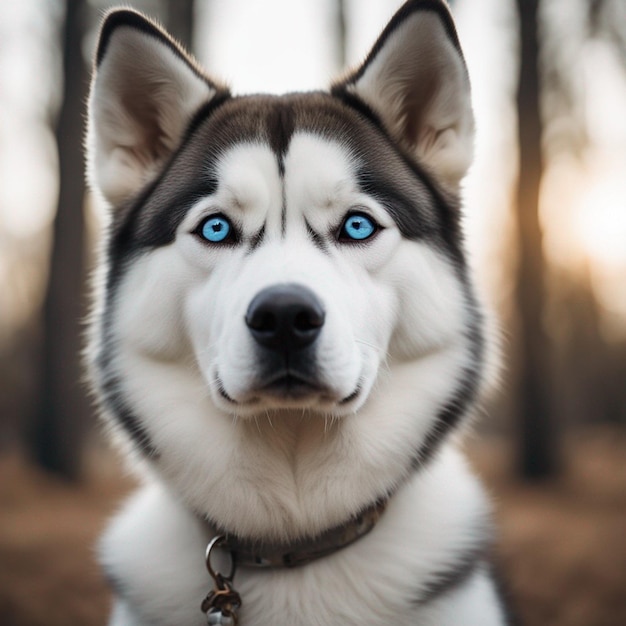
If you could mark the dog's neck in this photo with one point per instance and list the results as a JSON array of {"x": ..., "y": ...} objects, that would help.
[{"x": 258, "y": 554}]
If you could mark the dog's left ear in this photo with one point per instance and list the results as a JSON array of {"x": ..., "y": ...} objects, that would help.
[
  {"x": 415, "y": 81},
  {"x": 144, "y": 94}
]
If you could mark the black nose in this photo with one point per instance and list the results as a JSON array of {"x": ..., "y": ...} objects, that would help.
[{"x": 285, "y": 317}]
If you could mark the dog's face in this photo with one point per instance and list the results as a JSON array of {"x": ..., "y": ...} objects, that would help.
[
  {"x": 284, "y": 258},
  {"x": 289, "y": 277}
]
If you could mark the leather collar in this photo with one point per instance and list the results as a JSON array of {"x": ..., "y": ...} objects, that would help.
[{"x": 254, "y": 554}]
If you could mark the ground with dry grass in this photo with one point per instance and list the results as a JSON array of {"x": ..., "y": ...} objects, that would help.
[{"x": 562, "y": 545}]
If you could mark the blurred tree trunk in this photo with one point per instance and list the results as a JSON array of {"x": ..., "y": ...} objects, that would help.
[
  {"x": 180, "y": 21},
  {"x": 62, "y": 406},
  {"x": 538, "y": 452},
  {"x": 340, "y": 21}
]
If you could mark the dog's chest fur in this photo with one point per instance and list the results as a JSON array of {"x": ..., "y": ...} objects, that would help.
[{"x": 401, "y": 573}]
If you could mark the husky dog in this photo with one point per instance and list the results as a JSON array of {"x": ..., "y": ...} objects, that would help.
[{"x": 286, "y": 337}]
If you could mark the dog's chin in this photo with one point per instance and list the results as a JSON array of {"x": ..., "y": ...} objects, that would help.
[{"x": 287, "y": 391}]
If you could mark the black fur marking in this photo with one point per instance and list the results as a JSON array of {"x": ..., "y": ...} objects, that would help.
[
  {"x": 131, "y": 231},
  {"x": 110, "y": 390},
  {"x": 280, "y": 127},
  {"x": 452, "y": 577},
  {"x": 257, "y": 239},
  {"x": 403, "y": 209},
  {"x": 138, "y": 230},
  {"x": 421, "y": 208},
  {"x": 316, "y": 238},
  {"x": 222, "y": 392},
  {"x": 132, "y": 19},
  {"x": 205, "y": 111},
  {"x": 467, "y": 390},
  {"x": 283, "y": 214},
  {"x": 354, "y": 102},
  {"x": 160, "y": 228},
  {"x": 117, "y": 405},
  {"x": 353, "y": 396}
]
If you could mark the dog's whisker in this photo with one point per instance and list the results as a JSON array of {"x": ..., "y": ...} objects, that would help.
[{"x": 371, "y": 345}]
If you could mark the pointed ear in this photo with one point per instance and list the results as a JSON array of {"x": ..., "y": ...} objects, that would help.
[
  {"x": 415, "y": 81},
  {"x": 144, "y": 93}
]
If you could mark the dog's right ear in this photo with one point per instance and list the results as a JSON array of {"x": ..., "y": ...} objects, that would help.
[
  {"x": 144, "y": 93},
  {"x": 416, "y": 82}
]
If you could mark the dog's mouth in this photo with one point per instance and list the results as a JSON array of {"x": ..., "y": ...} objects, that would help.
[
  {"x": 289, "y": 387},
  {"x": 284, "y": 385}
]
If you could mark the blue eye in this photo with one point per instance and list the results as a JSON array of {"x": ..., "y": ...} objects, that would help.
[
  {"x": 357, "y": 227},
  {"x": 215, "y": 229}
]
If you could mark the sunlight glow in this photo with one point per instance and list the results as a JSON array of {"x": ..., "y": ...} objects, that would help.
[{"x": 602, "y": 222}]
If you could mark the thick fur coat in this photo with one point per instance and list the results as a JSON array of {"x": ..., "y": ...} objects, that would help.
[{"x": 285, "y": 330}]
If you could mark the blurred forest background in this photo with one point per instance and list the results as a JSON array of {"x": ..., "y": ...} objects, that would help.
[{"x": 546, "y": 223}]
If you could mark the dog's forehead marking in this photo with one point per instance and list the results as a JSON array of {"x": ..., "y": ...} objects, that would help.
[
  {"x": 316, "y": 131},
  {"x": 319, "y": 138}
]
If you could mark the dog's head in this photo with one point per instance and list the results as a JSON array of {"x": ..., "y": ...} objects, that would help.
[{"x": 285, "y": 258}]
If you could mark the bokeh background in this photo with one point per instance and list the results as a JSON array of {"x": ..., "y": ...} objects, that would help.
[{"x": 546, "y": 225}]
